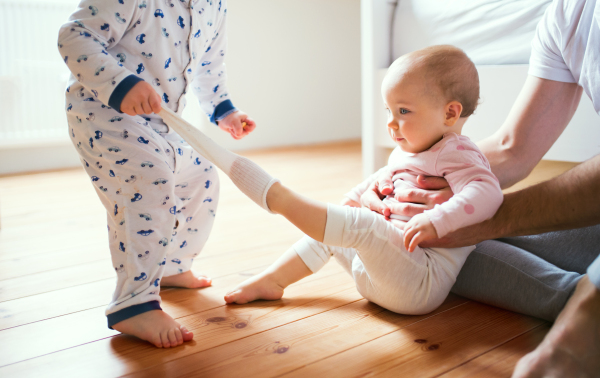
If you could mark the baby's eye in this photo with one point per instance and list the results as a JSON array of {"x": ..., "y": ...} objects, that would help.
[{"x": 403, "y": 111}]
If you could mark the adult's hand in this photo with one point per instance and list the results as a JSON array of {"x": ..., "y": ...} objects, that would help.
[{"x": 435, "y": 190}]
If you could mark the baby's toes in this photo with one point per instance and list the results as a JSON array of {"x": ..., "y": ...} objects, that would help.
[
  {"x": 164, "y": 337},
  {"x": 172, "y": 337},
  {"x": 178, "y": 336},
  {"x": 187, "y": 335}
]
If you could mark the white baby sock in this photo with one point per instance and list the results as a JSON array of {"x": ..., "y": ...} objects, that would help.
[{"x": 250, "y": 178}]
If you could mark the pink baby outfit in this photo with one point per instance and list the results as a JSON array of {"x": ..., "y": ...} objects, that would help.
[
  {"x": 477, "y": 193},
  {"x": 371, "y": 248}
]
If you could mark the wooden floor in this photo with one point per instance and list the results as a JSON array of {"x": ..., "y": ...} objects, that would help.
[{"x": 56, "y": 279}]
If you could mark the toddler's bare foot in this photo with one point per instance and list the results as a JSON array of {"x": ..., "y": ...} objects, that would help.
[
  {"x": 187, "y": 279},
  {"x": 262, "y": 286},
  {"x": 572, "y": 346},
  {"x": 156, "y": 327}
]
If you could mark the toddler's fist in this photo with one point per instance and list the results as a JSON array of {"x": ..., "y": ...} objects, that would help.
[
  {"x": 141, "y": 99},
  {"x": 238, "y": 124}
]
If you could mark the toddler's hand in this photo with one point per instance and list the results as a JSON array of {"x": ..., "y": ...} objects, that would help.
[
  {"x": 234, "y": 124},
  {"x": 141, "y": 99},
  {"x": 417, "y": 230}
]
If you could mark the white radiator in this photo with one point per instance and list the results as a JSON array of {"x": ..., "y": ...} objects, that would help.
[{"x": 32, "y": 74}]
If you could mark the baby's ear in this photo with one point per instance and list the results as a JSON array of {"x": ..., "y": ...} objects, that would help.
[{"x": 453, "y": 111}]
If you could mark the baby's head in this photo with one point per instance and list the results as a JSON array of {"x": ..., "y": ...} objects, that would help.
[{"x": 428, "y": 93}]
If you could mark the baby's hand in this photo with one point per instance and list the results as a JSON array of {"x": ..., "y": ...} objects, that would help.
[
  {"x": 141, "y": 99},
  {"x": 417, "y": 230},
  {"x": 238, "y": 124}
]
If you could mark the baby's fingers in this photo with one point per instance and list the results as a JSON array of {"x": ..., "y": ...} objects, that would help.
[
  {"x": 414, "y": 243},
  {"x": 409, "y": 233}
]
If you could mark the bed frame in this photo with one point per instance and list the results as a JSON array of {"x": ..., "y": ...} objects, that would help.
[{"x": 500, "y": 85}]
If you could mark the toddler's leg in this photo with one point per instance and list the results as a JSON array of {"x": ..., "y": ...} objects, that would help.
[
  {"x": 128, "y": 167},
  {"x": 196, "y": 194}
]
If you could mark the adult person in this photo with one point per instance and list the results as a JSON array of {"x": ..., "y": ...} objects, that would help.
[{"x": 543, "y": 274}]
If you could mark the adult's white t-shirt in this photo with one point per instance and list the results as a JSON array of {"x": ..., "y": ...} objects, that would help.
[{"x": 566, "y": 47}]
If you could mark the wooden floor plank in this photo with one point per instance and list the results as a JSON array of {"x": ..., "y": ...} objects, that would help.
[
  {"x": 122, "y": 354},
  {"x": 501, "y": 361},
  {"x": 427, "y": 348},
  {"x": 290, "y": 347},
  {"x": 177, "y": 302}
]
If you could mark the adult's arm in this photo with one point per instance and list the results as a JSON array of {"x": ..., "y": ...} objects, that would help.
[
  {"x": 564, "y": 202},
  {"x": 541, "y": 112}
]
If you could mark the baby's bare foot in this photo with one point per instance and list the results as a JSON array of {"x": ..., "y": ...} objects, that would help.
[
  {"x": 187, "y": 279},
  {"x": 262, "y": 286},
  {"x": 156, "y": 327}
]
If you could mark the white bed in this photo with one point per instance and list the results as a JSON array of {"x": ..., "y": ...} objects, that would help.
[{"x": 496, "y": 34}]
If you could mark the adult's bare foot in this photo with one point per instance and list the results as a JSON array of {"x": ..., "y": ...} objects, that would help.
[
  {"x": 262, "y": 286},
  {"x": 187, "y": 279},
  {"x": 572, "y": 347},
  {"x": 156, "y": 327}
]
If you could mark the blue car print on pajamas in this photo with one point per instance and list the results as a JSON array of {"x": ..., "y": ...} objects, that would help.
[
  {"x": 131, "y": 179},
  {"x": 136, "y": 197},
  {"x": 111, "y": 173},
  {"x": 147, "y": 164},
  {"x": 207, "y": 199},
  {"x": 167, "y": 63},
  {"x": 205, "y": 63},
  {"x": 141, "y": 277},
  {"x": 93, "y": 9},
  {"x": 159, "y": 13},
  {"x": 142, "y": 140},
  {"x": 146, "y": 217},
  {"x": 105, "y": 27},
  {"x": 114, "y": 149},
  {"x": 207, "y": 184},
  {"x": 197, "y": 35},
  {"x": 97, "y": 132},
  {"x": 176, "y": 261},
  {"x": 173, "y": 210},
  {"x": 82, "y": 58},
  {"x": 147, "y": 56},
  {"x": 164, "y": 32},
  {"x": 140, "y": 38},
  {"x": 156, "y": 282},
  {"x": 192, "y": 230},
  {"x": 143, "y": 256},
  {"x": 145, "y": 232},
  {"x": 98, "y": 70},
  {"x": 180, "y": 22},
  {"x": 122, "y": 57},
  {"x": 164, "y": 242},
  {"x": 160, "y": 181},
  {"x": 120, "y": 19},
  {"x": 143, "y": 4},
  {"x": 95, "y": 178},
  {"x": 165, "y": 98},
  {"x": 121, "y": 247},
  {"x": 92, "y": 143},
  {"x": 117, "y": 119},
  {"x": 183, "y": 244},
  {"x": 116, "y": 209},
  {"x": 140, "y": 68},
  {"x": 121, "y": 162}
]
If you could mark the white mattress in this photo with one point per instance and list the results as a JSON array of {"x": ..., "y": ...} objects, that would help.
[{"x": 489, "y": 31}]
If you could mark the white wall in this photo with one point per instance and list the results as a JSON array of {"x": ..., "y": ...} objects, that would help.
[{"x": 294, "y": 66}]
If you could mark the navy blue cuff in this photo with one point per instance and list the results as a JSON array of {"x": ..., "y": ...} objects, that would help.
[
  {"x": 224, "y": 108},
  {"x": 121, "y": 90},
  {"x": 130, "y": 312}
]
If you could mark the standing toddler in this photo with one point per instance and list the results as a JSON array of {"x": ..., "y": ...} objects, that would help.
[{"x": 128, "y": 59}]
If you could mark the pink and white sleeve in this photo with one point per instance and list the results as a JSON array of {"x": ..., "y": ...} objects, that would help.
[{"x": 477, "y": 191}]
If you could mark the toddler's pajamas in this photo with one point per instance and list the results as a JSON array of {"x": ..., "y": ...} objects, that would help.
[
  {"x": 371, "y": 249},
  {"x": 160, "y": 195}
]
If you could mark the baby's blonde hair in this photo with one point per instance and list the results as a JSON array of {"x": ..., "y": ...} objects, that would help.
[{"x": 449, "y": 69}]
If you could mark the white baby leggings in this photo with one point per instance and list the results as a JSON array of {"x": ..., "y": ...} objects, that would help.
[{"x": 372, "y": 251}]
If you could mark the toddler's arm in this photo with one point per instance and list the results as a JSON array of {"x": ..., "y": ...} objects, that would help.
[
  {"x": 210, "y": 84},
  {"x": 83, "y": 42}
]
